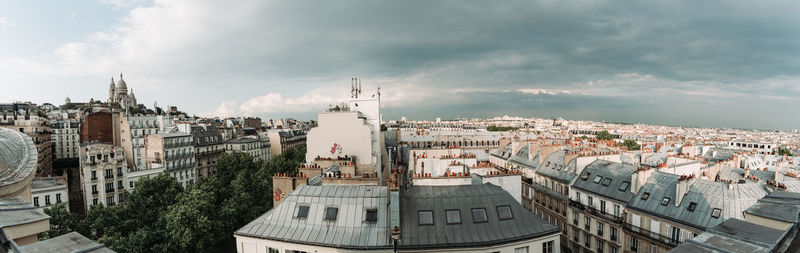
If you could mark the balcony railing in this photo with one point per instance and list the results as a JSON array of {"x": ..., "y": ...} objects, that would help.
[
  {"x": 548, "y": 191},
  {"x": 594, "y": 212},
  {"x": 655, "y": 237},
  {"x": 109, "y": 190},
  {"x": 119, "y": 173}
]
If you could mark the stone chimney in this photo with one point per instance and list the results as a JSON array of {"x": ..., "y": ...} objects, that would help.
[
  {"x": 682, "y": 187},
  {"x": 640, "y": 177}
]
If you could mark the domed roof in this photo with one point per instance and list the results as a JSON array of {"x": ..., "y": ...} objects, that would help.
[{"x": 121, "y": 85}]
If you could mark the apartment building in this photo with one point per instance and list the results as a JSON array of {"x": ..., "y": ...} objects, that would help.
[
  {"x": 208, "y": 145},
  {"x": 259, "y": 149},
  {"x": 134, "y": 130},
  {"x": 103, "y": 169},
  {"x": 65, "y": 137},
  {"x": 598, "y": 198},
  {"x": 48, "y": 191},
  {"x": 282, "y": 139},
  {"x": 22, "y": 117},
  {"x": 175, "y": 153}
]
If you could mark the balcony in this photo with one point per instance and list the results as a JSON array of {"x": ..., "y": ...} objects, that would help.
[
  {"x": 596, "y": 213},
  {"x": 94, "y": 178},
  {"x": 119, "y": 173},
  {"x": 548, "y": 191},
  {"x": 110, "y": 190},
  {"x": 95, "y": 192},
  {"x": 650, "y": 236}
]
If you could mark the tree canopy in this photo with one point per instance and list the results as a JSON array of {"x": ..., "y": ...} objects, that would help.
[
  {"x": 604, "y": 135},
  {"x": 494, "y": 128},
  {"x": 631, "y": 145},
  {"x": 161, "y": 216}
]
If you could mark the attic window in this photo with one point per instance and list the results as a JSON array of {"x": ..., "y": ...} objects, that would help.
[
  {"x": 504, "y": 213},
  {"x": 372, "y": 215},
  {"x": 479, "y": 215},
  {"x": 425, "y": 217},
  {"x": 585, "y": 176},
  {"x": 331, "y": 213},
  {"x": 624, "y": 186},
  {"x": 665, "y": 201},
  {"x": 606, "y": 182},
  {"x": 453, "y": 216},
  {"x": 597, "y": 179},
  {"x": 691, "y": 207},
  {"x": 302, "y": 212},
  {"x": 716, "y": 212},
  {"x": 645, "y": 195}
]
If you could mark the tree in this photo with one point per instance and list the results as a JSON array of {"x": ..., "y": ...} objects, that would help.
[
  {"x": 784, "y": 152},
  {"x": 191, "y": 222},
  {"x": 494, "y": 128},
  {"x": 631, "y": 145},
  {"x": 61, "y": 221},
  {"x": 604, "y": 135}
]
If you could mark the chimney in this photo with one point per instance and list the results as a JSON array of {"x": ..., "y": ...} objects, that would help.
[
  {"x": 682, "y": 187},
  {"x": 747, "y": 172},
  {"x": 639, "y": 178}
]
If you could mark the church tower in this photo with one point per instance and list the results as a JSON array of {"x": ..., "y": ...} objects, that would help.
[{"x": 111, "y": 92}]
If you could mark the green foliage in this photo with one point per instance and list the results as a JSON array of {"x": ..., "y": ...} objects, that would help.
[
  {"x": 69, "y": 106},
  {"x": 604, "y": 135},
  {"x": 339, "y": 108},
  {"x": 136, "y": 110},
  {"x": 494, "y": 128},
  {"x": 584, "y": 137},
  {"x": 160, "y": 216},
  {"x": 384, "y": 128},
  {"x": 631, "y": 145},
  {"x": 784, "y": 151}
]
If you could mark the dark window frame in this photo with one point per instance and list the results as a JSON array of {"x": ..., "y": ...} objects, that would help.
[
  {"x": 485, "y": 215},
  {"x": 302, "y": 214},
  {"x": 371, "y": 218},
  {"x": 447, "y": 216},
  {"x": 419, "y": 217},
  {"x": 510, "y": 213},
  {"x": 328, "y": 213}
]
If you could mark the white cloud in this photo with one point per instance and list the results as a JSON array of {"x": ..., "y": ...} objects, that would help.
[
  {"x": 546, "y": 91},
  {"x": 4, "y": 23}
]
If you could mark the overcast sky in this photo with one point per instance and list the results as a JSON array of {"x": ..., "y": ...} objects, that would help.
[{"x": 698, "y": 63}]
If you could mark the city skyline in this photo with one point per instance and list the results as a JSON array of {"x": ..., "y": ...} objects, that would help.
[{"x": 710, "y": 64}]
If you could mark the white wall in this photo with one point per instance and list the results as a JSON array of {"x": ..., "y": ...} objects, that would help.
[{"x": 350, "y": 133}]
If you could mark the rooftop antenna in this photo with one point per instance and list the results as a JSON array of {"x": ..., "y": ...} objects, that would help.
[{"x": 355, "y": 87}]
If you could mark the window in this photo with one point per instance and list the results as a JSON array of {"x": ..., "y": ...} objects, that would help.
[
  {"x": 578, "y": 196},
  {"x": 691, "y": 207},
  {"x": 634, "y": 244},
  {"x": 504, "y": 212},
  {"x": 600, "y": 246},
  {"x": 599, "y": 228},
  {"x": 371, "y": 215},
  {"x": 597, "y": 179},
  {"x": 94, "y": 201},
  {"x": 716, "y": 213},
  {"x": 273, "y": 250},
  {"x": 606, "y": 182},
  {"x": 614, "y": 234},
  {"x": 331, "y": 213},
  {"x": 547, "y": 247},
  {"x": 58, "y": 197},
  {"x": 521, "y": 250},
  {"x": 94, "y": 175},
  {"x": 616, "y": 210},
  {"x": 302, "y": 212},
  {"x": 665, "y": 201},
  {"x": 586, "y": 175},
  {"x": 453, "y": 216},
  {"x": 590, "y": 201},
  {"x": 479, "y": 215},
  {"x": 588, "y": 224},
  {"x": 130, "y": 184},
  {"x": 425, "y": 217},
  {"x": 624, "y": 186},
  {"x": 47, "y": 200},
  {"x": 35, "y": 201},
  {"x": 645, "y": 195},
  {"x": 603, "y": 206}
]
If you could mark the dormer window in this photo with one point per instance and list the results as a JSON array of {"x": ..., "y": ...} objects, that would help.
[
  {"x": 302, "y": 212},
  {"x": 504, "y": 213},
  {"x": 371, "y": 215},
  {"x": 665, "y": 201},
  {"x": 624, "y": 186},
  {"x": 597, "y": 179},
  {"x": 606, "y": 182},
  {"x": 645, "y": 195},
  {"x": 425, "y": 217},
  {"x": 586, "y": 175},
  {"x": 331, "y": 213}
]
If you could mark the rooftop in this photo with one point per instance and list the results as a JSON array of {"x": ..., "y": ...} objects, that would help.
[
  {"x": 68, "y": 243},
  {"x": 734, "y": 235}
]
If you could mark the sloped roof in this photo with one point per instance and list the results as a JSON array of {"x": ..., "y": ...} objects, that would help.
[
  {"x": 617, "y": 172},
  {"x": 556, "y": 168},
  {"x": 67, "y": 243},
  {"x": 348, "y": 231},
  {"x": 706, "y": 194},
  {"x": 524, "y": 224},
  {"x": 734, "y": 235},
  {"x": 778, "y": 205}
]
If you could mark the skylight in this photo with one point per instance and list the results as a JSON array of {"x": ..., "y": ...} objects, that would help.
[
  {"x": 645, "y": 195},
  {"x": 425, "y": 217},
  {"x": 302, "y": 212},
  {"x": 597, "y": 179},
  {"x": 606, "y": 181},
  {"x": 716, "y": 213},
  {"x": 453, "y": 216},
  {"x": 372, "y": 215},
  {"x": 691, "y": 207},
  {"x": 504, "y": 212},
  {"x": 665, "y": 201},
  {"x": 624, "y": 186},
  {"x": 479, "y": 215},
  {"x": 331, "y": 213}
]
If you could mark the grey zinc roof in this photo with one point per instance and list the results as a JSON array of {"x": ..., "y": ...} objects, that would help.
[
  {"x": 736, "y": 174},
  {"x": 706, "y": 194},
  {"x": 72, "y": 242},
  {"x": 778, "y": 205},
  {"x": 18, "y": 156},
  {"x": 734, "y": 235},
  {"x": 349, "y": 231},
  {"x": 556, "y": 169},
  {"x": 524, "y": 224},
  {"x": 618, "y": 172}
]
